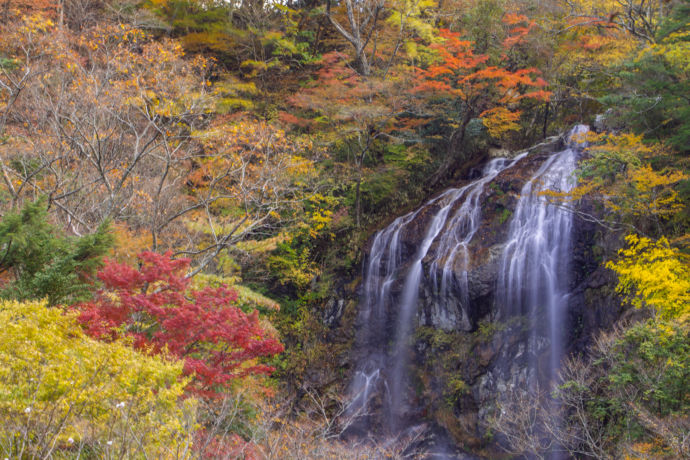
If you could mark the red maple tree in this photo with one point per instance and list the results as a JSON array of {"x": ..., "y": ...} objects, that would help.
[{"x": 156, "y": 306}]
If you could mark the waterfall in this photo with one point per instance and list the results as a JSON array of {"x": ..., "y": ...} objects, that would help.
[
  {"x": 382, "y": 371},
  {"x": 534, "y": 273},
  {"x": 453, "y": 244},
  {"x": 531, "y": 276}
]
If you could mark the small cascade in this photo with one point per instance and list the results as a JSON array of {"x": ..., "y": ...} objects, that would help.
[
  {"x": 534, "y": 275},
  {"x": 453, "y": 244}
]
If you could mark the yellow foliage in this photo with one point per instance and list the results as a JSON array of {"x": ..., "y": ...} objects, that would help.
[
  {"x": 500, "y": 120},
  {"x": 37, "y": 23},
  {"x": 654, "y": 274},
  {"x": 60, "y": 389},
  {"x": 589, "y": 44},
  {"x": 653, "y": 192},
  {"x": 675, "y": 49},
  {"x": 245, "y": 295},
  {"x": 320, "y": 218},
  {"x": 410, "y": 15},
  {"x": 129, "y": 243},
  {"x": 262, "y": 246},
  {"x": 616, "y": 174}
]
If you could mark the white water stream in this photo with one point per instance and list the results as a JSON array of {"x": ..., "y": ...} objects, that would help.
[
  {"x": 533, "y": 276},
  {"x": 535, "y": 267}
]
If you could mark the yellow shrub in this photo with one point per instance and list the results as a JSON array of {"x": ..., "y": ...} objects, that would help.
[
  {"x": 654, "y": 274},
  {"x": 63, "y": 393}
]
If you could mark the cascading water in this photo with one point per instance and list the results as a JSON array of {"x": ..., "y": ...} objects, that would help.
[
  {"x": 382, "y": 371},
  {"x": 453, "y": 245},
  {"x": 532, "y": 279}
]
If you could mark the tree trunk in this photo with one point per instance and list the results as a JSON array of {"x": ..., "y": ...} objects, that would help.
[{"x": 363, "y": 63}]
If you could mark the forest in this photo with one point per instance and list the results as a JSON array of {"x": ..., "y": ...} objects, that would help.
[{"x": 345, "y": 229}]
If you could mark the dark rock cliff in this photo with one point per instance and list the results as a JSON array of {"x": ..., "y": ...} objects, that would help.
[
  {"x": 468, "y": 355},
  {"x": 467, "y": 351}
]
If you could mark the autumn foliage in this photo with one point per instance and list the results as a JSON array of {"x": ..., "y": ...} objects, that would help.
[
  {"x": 267, "y": 142},
  {"x": 62, "y": 391},
  {"x": 156, "y": 307},
  {"x": 488, "y": 91}
]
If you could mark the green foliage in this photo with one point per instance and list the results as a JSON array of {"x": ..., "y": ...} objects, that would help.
[
  {"x": 290, "y": 43},
  {"x": 455, "y": 388},
  {"x": 8, "y": 64},
  {"x": 62, "y": 393},
  {"x": 631, "y": 393},
  {"x": 618, "y": 173},
  {"x": 444, "y": 353},
  {"x": 483, "y": 22},
  {"x": 45, "y": 264},
  {"x": 487, "y": 330},
  {"x": 653, "y": 360},
  {"x": 377, "y": 190},
  {"x": 260, "y": 40},
  {"x": 203, "y": 25},
  {"x": 292, "y": 261},
  {"x": 290, "y": 266},
  {"x": 658, "y": 83},
  {"x": 504, "y": 215},
  {"x": 610, "y": 160}
]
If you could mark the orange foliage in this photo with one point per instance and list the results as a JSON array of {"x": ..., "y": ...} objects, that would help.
[
  {"x": 522, "y": 26},
  {"x": 291, "y": 119},
  {"x": 489, "y": 92},
  {"x": 499, "y": 120},
  {"x": 48, "y": 7},
  {"x": 129, "y": 243},
  {"x": 348, "y": 101},
  {"x": 107, "y": 115}
]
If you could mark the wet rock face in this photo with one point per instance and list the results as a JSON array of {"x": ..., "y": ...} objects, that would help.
[
  {"x": 446, "y": 310},
  {"x": 467, "y": 349},
  {"x": 593, "y": 304},
  {"x": 491, "y": 366},
  {"x": 333, "y": 311}
]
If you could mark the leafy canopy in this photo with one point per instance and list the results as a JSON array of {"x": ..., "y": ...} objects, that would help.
[
  {"x": 657, "y": 81},
  {"x": 617, "y": 172},
  {"x": 655, "y": 275},
  {"x": 490, "y": 92}
]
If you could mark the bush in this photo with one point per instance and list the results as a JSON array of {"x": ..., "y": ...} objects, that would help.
[
  {"x": 157, "y": 307},
  {"x": 65, "y": 394}
]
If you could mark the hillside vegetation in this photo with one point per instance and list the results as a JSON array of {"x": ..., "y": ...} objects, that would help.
[{"x": 187, "y": 188}]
